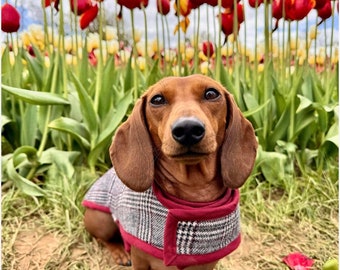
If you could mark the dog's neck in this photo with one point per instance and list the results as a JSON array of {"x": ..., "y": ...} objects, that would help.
[{"x": 195, "y": 183}]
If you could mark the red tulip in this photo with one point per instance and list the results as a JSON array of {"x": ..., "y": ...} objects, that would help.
[
  {"x": 80, "y": 6},
  {"x": 208, "y": 48},
  {"x": 326, "y": 11},
  {"x": 240, "y": 15},
  {"x": 10, "y": 18},
  {"x": 298, "y": 9},
  {"x": 163, "y": 6},
  {"x": 227, "y": 20},
  {"x": 131, "y": 4},
  {"x": 319, "y": 3},
  {"x": 92, "y": 59},
  {"x": 197, "y": 3},
  {"x": 277, "y": 9},
  {"x": 228, "y": 3},
  {"x": 252, "y": 3},
  {"x": 49, "y": 3},
  {"x": 88, "y": 16}
]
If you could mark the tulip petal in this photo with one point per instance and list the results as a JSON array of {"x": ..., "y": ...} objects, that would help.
[
  {"x": 298, "y": 261},
  {"x": 88, "y": 16}
]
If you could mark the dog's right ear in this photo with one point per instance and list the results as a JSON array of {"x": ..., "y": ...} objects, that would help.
[{"x": 131, "y": 150}]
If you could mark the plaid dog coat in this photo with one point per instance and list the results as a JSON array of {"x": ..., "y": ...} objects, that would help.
[{"x": 178, "y": 232}]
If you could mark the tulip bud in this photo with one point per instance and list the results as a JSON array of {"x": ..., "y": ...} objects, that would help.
[
  {"x": 208, "y": 48},
  {"x": 10, "y": 18}
]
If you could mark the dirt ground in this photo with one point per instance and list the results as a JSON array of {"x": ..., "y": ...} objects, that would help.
[{"x": 34, "y": 248}]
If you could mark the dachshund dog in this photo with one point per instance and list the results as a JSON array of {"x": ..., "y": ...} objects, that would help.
[{"x": 172, "y": 193}]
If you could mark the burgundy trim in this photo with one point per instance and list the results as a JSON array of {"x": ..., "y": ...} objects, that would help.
[
  {"x": 130, "y": 240},
  {"x": 169, "y": 254},
  {"x": 183, "y": 261},
  {"x": 93, "y": 205},
  {"x": 186, "y": 211}
]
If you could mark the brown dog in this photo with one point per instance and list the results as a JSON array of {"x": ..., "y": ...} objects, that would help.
[{"x": 172, "y": 193}]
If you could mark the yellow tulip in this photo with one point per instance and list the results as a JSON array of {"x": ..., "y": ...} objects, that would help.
[
  {"x": 313, "y": 32},
  {"x": 68, "y": 59},
  {"x": 169, "y": 55},
  {"x": 92, "y": 42},
  {"x": 202, "y": 56},
  {"x": 25, "y": 38},
  {"x": 311, "y": 60},
  {"x": 124, "y": 56},
  {"x": 260, "y": 67},
  {"x": 335, "y": 56},
  {"x": 141, "y": 62},
  {"x": 175, "y": 71},
  {"x": 321, "y": 56},
  {"x": 294, "y": 44},
  {"x": 204, "y": 67},
  {"x": 227, "y": 51},
  {"x": 68, "y": 43},
  {"x": 189, "y": 53},
  {"x": 11, "y": 58},
  {"x": 110, "y": 33},
  {"x": 157, "y": 46},
  {"x": 137, "y": 36},
  {"x": 47, "y": 61},
  {"x": 112, "y": 46},
  {"x": 96, "y": 52}
]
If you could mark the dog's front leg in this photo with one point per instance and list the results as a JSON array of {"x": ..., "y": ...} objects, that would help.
[{"x": 101, "y": 226}]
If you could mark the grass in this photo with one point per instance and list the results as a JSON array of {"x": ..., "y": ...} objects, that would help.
[{"x": 297, "y": 215}]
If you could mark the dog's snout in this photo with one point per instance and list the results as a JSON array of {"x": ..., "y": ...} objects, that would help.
[{"x": 188, "y": 130}]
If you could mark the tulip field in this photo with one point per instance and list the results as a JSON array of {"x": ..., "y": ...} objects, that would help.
[{"x": 69, "y": 82}]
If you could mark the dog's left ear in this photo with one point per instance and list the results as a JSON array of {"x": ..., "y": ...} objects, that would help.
[
  {"x": 131, "y": 151},
  {"x": 238, "y": 151}
]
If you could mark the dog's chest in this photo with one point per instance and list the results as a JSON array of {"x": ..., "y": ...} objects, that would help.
[{"x": 173, "y": 230}]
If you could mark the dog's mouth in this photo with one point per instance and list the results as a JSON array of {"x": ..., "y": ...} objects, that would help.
[{"x": 189, "y": 157}]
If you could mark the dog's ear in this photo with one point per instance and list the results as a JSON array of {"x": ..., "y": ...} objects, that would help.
[
  {"x": 238, "y": 151},
  {"x": 131, "y": 151}
]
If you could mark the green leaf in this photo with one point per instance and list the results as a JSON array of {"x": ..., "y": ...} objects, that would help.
[
  {"x": 18, "y": 160},
  {"x": 106, "y": 135},
  {"x": 62, "y": 159},
  {"x": 72, "y": 127},
  {"x": 35, "y": 97},
  {"x": 25, "y": 185},
  {"x": 225, "y": 80},
  {"x": 29, "y": 126},
  {"x": 87, "y": 108},
  {"x": 128, "y": 82},
  {"x": 272, "y": 165},
  {"x": 253, "y": 108},
  {"x": 154, "y": 75},
  {"x": 106, "y": 93}
]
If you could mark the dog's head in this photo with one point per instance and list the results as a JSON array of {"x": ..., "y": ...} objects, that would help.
[{"x": 186, "y": 119}]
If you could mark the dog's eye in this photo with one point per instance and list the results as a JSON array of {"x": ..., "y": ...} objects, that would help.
[
  {"x": 158, "y": 100},
  {"x": 211, "y": 94}
]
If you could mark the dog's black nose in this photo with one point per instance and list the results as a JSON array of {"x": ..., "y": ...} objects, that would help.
[{"x": 188, "y": 131}]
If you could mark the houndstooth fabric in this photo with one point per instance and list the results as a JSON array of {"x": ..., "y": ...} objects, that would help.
[{"x": 143, "y": 216}]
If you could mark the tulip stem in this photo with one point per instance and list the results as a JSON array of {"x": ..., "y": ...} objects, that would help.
[
  {"x": 218, "y": 64},
  {"x": 237, "y": 91},
  {"x": 267, "y": 75},
  {"x": 146, "y": 54},
  {"x": 99, "y": 76},
  {"x": 134, "y": 57},
  {"x": 196, "y": 39},
  {"x": 179, "y": 54}
]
